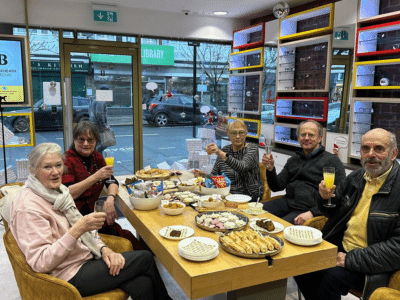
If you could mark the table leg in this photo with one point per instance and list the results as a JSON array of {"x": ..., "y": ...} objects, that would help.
[{"x": 275, "y": 290}]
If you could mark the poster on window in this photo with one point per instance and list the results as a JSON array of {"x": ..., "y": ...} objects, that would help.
[{"x": 14, "y": 83}]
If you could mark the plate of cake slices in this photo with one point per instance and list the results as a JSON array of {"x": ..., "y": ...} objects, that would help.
[
  {"x": 176, "y": 232},
  {"x": 266, "y": 225}
]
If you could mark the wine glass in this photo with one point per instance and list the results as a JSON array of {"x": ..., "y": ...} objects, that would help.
[
  {"x": 98, "y": 207},
  {"x": 109, "y": 162},
  {"x": 268, "y": 144},
  {"x": 329, "y": 179}
]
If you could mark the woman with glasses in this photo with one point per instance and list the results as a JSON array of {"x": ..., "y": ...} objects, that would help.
[
  {"x": 86, "y": 175},
  {"x": 238, "y": 161}
]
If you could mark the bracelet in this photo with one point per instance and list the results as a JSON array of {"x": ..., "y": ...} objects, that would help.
[
  {"x": 111, "y": 196},
  {"x": 101, "y": 249}
]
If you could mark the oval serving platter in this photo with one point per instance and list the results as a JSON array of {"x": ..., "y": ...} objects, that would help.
[
  {"x": 239, "y": 215},
  {"x": 254, "y": 255}
]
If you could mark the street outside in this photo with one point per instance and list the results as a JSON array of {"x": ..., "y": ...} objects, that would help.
[{"x": 159, "y": 144}]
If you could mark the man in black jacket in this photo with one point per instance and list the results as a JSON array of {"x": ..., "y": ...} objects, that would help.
[
  {"x": 365, "y": 224},
  {"x": 301, "y": 175}
]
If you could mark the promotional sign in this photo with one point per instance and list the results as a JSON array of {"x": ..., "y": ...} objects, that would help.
[{"x": 13, "y": 72}]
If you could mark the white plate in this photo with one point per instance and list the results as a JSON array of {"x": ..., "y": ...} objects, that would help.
[
  {"x": 238, "y": 198},
  {"x": 303, "y": 235},
  {"x": 198, "y": 246},
  {"x": 204, "y": 258},
  {"x": 185, "y": 232},
  {"x": 278, "y": 227}
]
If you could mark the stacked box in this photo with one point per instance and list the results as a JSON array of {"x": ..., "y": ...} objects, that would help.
[
  {"x": 11, "y": 176},
  {"x": 204, "y": 158},
  {"x": 193, "y": 145},
  {"x": 22, "y": 169}
]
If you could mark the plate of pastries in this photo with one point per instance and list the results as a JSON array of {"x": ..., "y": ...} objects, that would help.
[
  {"x": 151, "y": 174},
  {"x": 250, "y": 243},
  {"x": 221, "y": 221}
]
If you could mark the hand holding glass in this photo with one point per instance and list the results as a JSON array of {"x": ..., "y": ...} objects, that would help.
[
  {"x": 329, "y": 179},
  {"x": 268, "y": 144},
  {"x": 109, "y": 162},
  {"x": 98, "y": 207}
]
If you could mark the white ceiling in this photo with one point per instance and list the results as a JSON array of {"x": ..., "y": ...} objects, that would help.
[{"x": 235, "y": 8}]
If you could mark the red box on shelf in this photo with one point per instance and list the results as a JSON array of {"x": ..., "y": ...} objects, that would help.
[{"x": 302, "y": 108}]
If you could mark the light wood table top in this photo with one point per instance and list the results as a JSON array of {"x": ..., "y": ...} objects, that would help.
[{"x": 226, "y": 272}]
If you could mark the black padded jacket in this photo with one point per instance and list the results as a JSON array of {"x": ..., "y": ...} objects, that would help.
[{"x": 382, "y": 255}]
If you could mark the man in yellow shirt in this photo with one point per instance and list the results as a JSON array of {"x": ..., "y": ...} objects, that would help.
[{"x": 365, "y": 224}]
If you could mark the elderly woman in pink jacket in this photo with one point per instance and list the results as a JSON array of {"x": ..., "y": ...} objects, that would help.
[{"x": 57, "y": 240}]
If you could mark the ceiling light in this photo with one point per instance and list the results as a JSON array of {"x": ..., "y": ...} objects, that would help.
[{"x": 220, "y": 13}]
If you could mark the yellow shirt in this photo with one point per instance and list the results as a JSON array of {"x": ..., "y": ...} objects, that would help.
[{"x": 355, "y": 235}]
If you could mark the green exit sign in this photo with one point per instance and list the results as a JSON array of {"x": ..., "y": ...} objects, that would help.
[{"x": 105, "y": 16}]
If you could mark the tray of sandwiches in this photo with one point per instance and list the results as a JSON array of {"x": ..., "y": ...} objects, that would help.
[
  {"x": 251, "y": 244},
  {"x": 152, "y": 174}
]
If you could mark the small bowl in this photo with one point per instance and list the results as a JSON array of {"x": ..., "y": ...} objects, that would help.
[
  {"x": 220, "y": 191},
  {"x": 145, "y": 203},
  {"x": 210, "y": 204},
  {"x": 173, "y": 211},
  {"x": 189, "y": 187}
]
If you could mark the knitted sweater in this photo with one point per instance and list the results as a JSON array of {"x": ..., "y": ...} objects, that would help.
[
  {"x": 242, "y": 168},
  {"x": 301, "y": 176}
]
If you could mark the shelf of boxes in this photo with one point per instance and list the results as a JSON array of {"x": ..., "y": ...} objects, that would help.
[
  {"x": 307, "y": 23},
  {"x": 369, "y": 114},
  {"x": 244, "y": 93},
  {"x": 376, "y": 10},
  {"x": 378, "y": 39},
  {"x": 247, "y": 59},
  {"x": 378, "y": 74},
  {"x": 286, "y": 134},
  {"x": 302, "y": 108},
  {"x": 304, "y": 66},
  {"x": 249, "y": 37}
]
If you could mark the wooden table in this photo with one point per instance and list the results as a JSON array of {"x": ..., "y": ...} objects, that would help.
[{"x": 240, "y": 277}]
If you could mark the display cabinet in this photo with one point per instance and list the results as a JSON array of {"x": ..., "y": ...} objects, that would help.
[
  {"x": 378, "y": 39},
  {"x": 304, "y": 65},
  {"x": 245, "y": 93},
  {"x": 307, "y": 23},
  {"x": 253, "y": 126},
  {"x": 249, "y": 37},
  {"x": 375, "y": 10},
  {"x": 379, "y": 74},
  {"x": 302, "y": 108},
  {"x": 286, "y": 134},
  {"x": 253, "y": 58}
]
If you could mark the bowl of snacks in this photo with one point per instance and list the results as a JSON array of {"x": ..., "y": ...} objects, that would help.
[
  {"x": 220, "y": 191},
  {"x": 211, "y": 201},
  {"x": 145, "y": 203},
  {"x": 173, "y": 208},
  {"x": 186, "y": 186}
]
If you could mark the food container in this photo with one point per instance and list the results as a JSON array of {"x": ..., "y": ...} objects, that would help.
[
  {"x": 145, "y": 203},
  {"x": 255, "y": 208},
  {"x": 220, "y": 191},
  {"x": 186, "y": 186},
  {"x": 210, "y": 204},
  {"x": 173, "y": 211}
]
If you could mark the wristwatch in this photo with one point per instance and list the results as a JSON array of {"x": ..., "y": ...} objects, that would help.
[{"x": 111, "y": 196}]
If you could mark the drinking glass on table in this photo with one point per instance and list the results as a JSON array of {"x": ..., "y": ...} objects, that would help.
[
  {"x": 109, "y": 162},
  {"x": 329, "y": 179}
]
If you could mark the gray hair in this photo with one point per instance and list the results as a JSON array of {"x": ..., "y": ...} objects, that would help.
[
  {"x": 238, "y": 123},
  {"x": 320, "y": 128},
  {"x": 36, "y": 155},
  {"x": 392, "y": 141}
]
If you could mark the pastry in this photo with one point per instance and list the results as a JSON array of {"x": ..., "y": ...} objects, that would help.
[
  {"x": 175, "y": 233},
  {"x": 266, "y": 224}
]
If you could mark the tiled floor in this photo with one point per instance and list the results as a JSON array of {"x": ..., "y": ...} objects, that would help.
[{"x": 9, "y": 287}]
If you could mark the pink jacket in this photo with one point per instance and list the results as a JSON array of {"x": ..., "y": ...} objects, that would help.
[{"x": 42, "y": 235}]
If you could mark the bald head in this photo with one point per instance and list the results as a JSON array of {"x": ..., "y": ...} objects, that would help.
[{"x": 378, "y": 151}]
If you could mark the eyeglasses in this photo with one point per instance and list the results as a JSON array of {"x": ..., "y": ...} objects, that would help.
[
  {"x": 235, "y": 133},
  {"x": 82, "y": 141}
]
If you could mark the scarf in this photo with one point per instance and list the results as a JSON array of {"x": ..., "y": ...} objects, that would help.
[{"x": 62, "y": 201}]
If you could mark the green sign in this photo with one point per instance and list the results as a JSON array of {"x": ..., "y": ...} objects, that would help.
[
  {"x": 109, "y": 58},
  {"x": 105, "y": 16},
  {"x": 157, "y": 55}
]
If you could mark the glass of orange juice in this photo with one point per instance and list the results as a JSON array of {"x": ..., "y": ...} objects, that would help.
[
  {"x": 329, "y": 179},
  {"x": 109, "y": 162}
]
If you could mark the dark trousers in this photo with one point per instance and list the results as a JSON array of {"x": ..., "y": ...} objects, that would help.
[
  {"x": 329, "y": 284},
  {"x": 279, "y": 208},
  {"x": 139, "y": 278}
]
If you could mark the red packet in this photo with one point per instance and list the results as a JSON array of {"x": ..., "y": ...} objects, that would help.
[{"x": 219, "y": 181}]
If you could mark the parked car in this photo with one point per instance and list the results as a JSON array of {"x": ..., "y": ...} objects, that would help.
[
  {"x": 49, "y": 117},
  {"x": 176, "y": 109}
]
